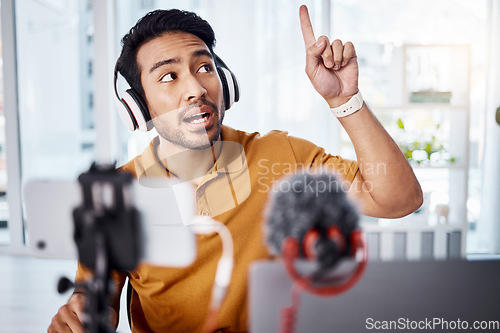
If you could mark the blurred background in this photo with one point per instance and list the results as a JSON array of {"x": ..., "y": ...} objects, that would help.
[{"x": 429, "y": 70}]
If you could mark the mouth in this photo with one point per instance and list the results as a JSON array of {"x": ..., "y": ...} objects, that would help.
[{"x": 197, "y": 118}]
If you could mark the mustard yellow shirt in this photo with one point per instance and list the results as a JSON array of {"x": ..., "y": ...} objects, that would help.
[{"x": 235, "y": 192}]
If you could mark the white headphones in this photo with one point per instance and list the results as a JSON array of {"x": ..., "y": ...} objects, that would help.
[{"x": 133, "y": 110}]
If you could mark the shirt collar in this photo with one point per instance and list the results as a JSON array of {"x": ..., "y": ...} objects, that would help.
[
  {"x": 231, "y": 159},
  {"x": 150, "y": 165}
]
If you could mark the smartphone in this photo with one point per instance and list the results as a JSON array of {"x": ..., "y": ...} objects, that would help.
[{"x": 165, "y": 208}]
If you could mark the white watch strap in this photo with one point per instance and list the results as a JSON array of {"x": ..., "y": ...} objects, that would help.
[{"x": 348, "y": 108}]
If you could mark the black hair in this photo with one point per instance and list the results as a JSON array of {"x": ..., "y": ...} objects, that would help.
[{"x": 155, "y": 24}]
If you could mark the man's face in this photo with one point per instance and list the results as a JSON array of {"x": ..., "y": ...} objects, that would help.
[{"x": 183, "y": 91}]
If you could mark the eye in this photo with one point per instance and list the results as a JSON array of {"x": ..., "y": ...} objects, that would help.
[
  {"x": 168, "y": 77},
  {"x": 205, "y": 69}
]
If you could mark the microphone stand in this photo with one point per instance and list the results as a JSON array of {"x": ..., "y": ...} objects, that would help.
[{"x": 107, "y": 236}]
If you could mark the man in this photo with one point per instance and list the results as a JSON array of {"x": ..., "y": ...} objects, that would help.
[{"x": 168, "y": 59}]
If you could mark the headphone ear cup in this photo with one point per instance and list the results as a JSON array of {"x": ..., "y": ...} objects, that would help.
[
  {"x": 230, "y": 86},
  {"x": 125, "y": 114},
  {"x": 138, "y": 110}
]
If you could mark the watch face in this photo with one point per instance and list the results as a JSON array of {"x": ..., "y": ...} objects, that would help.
[{"x": 498, "y": 115}]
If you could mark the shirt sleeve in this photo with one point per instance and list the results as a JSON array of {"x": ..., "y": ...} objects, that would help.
[{"x": 308, "y": 154}]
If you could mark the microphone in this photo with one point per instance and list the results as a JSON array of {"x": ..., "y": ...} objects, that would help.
[
  {"x": 309, "y": 216},
  {"x": 313, "y": 208}
]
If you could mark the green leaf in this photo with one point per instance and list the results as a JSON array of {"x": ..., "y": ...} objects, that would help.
[
  {"x": 400, "y": 124},
  {"x": 428, "y": 148}
]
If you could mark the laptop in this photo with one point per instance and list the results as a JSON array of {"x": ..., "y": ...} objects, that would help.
[{"x": 404, "y": 296}]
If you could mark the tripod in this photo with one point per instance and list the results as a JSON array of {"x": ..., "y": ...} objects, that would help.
[{"x": 107, "y": 235}]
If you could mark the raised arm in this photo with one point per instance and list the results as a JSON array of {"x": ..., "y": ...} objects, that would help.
[{"x": 385, "y": 184}]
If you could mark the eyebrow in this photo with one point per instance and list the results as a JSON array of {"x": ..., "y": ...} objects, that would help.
[{"x": 196, "y": 54}]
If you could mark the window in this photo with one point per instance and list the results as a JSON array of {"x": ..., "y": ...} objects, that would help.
[
  {"x": 437, "y": 47},
  {"x": 276, "y": 93},
  {"x": 4, "y": 207},
  {"x": 55, "y": 87},
  {"x": 262, "y": 43},
  {"x": 51, "y": 109}
]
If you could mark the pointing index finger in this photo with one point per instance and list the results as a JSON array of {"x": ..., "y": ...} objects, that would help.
[{"x": 306, "y": 26}]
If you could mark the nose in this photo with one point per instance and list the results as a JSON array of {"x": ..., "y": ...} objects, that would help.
[{"x": 194, "y": 89}]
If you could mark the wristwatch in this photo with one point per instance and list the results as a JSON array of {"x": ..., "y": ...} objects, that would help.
[{"x": 352, "y": 105}]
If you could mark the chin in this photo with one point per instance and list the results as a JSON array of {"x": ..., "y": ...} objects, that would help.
[
  {"x": 203, "y": 144},
  {"x": 202, "y": 141},
  {"x": 202, "y": 147},
  {"x": 195, "y": 141}
]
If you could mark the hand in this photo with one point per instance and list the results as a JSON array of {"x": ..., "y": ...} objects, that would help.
[
  {"x": 69, "y": 316},
  {"x": 332, "y": 68}
]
